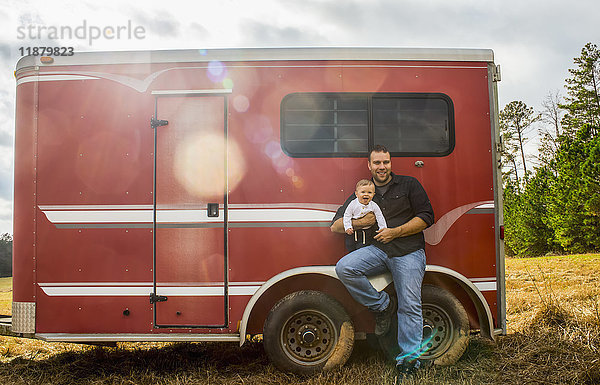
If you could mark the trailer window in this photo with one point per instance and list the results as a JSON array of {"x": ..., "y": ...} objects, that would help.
[
  {"x": 325, "y": 124},
  {"x": 412, "y": 126},
  {"x": 348, "y": 124}
]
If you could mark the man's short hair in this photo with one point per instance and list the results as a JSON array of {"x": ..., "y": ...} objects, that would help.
[
  {"x": 364, "y": 182},
  {"x": 378, "y": 148}
]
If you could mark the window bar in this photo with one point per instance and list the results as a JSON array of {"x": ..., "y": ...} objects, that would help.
[{"x": 335, "y": 126}]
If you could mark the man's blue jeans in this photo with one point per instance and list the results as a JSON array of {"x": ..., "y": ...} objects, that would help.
[{"x": 407, "y": 272}]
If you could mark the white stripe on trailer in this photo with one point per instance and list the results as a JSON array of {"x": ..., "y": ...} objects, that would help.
[
  {"x": 186, "y": 216},
  {"x": 486, "y": 286},
  {"x": 137, "y": 291},
  {"x": 482, "y": 279},
  {"x": 52, "y": 78},
  {"x": 215, "y": 91}
]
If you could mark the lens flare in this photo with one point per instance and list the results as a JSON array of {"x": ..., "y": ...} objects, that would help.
[
  {"x": 228, "y": 83},
  {"x": 241, "y": 103},
  {"x": 199, "y": 165},
  {"x": 273, "y": 150},
  {"x": 258, "y": 129},
  {"x": 216, "y": 71}
]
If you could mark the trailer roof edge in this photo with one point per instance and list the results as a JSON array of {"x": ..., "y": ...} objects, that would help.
[{"x": 264, "y": 54}]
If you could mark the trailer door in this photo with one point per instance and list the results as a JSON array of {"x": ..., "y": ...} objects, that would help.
[{"x": 190, "y": 209}]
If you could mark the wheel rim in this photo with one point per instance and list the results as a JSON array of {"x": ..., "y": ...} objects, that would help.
[
  {"x": 438, "y": 331},
  {"x": 308, "y": 337}
]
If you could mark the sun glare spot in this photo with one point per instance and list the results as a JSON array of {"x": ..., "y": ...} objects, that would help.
[
  {"x": 199, "y": 165},
  {"x": 257, "y": 129},
  {"x": 228, "y": 83},
  {"x": 273, "y": 150},
  {"x": 241, "y": 103},
  {"x": 216, "y": 71}
]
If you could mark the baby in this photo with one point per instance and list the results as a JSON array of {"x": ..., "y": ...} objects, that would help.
[{"x": 363, "y": 204}]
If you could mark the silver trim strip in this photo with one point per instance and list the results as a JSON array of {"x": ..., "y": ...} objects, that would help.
[
  {"x": 66, "y": 337},
  {"x": 95, "y": 207},
  {"x": 285, "y": 215},
  {"x": 486, "y": 286},
  {"x": 307, "y": 206},
  {"x": 174, "y": 284},
  {"x": 191, "y": 92},
  {"x": 52, "y": 78},
  {"x": 487, "y": 279},
  {"x": 498, "y": 197},
  {"x": 190, "y": 225},
  {"x": 264, "y": 54},
  {"x": 142, "y": 85},
  {"x": 144, "y": 291}
]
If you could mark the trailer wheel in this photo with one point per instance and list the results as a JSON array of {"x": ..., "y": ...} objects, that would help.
[
  {"x": 308, "y": 331},
  {"x": 445, "y": 326}
]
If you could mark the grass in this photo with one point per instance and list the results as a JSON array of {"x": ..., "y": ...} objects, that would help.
[
  {"x": 5, "y": 296},
  {"x": 554, "y": 338}
]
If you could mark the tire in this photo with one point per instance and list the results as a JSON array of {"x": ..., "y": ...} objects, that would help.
[
  {"x": 446, "y": 329},
  {"x": 307, "y": 332},
  {"x": 446, "y": 326}
]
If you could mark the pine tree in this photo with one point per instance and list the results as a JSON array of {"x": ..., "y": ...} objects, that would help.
[
  {"x": 574, "y": 210},
  {"x": 5, "y": 255},
  {"x": 583, "y": 100}
]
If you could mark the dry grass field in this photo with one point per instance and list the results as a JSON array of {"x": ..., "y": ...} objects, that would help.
[
  {"x": 5, "y": 295},
  {"x": 554, "y": 338}
]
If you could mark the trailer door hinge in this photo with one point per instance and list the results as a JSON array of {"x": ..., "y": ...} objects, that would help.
[
  {"x": 157, "y": 298},
  {"x": 497, "y": 75},
  {"x": 154, "y": 123}
]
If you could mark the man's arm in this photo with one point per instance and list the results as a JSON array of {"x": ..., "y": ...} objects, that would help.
[
  {"x": 381, "y": 222},
  {"x": 415, "y": 225},
  {"x": 357, "y": 224}
]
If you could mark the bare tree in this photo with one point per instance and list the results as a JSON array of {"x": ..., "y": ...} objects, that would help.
[
  {"x": 549, "y": 133},
  {"x": 516, "y": 121}
]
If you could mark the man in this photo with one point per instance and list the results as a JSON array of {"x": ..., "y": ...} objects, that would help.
[{"x": 399, "y": 249}]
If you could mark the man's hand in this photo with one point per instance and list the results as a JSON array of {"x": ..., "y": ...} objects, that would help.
[
  {"x": 358, "y": 224},
  {"x": 349, "y": 231},
  {"x": 415, "y": 225},
  {"x": 365, "y": 221},
  {"x": 387, "y": 235}
]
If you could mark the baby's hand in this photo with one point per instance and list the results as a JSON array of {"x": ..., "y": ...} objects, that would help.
[{"x": 349, "y": 231}]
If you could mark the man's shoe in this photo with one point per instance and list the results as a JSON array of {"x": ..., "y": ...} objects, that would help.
[
  {"x": 383, "y": 319},
  {"x": 405, "y": 370}
]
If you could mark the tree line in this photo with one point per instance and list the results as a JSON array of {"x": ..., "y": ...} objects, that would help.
[
  {"x": 554, "y": 206},
  {"x": 5, "y": 255}
]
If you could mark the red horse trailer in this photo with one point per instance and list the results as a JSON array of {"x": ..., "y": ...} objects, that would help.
[{"x": 187, "y": 195}]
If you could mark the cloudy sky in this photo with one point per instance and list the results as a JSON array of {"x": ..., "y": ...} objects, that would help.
[{"x": 534, "y": 41}]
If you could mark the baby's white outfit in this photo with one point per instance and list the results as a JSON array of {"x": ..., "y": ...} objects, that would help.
[{"x": 357, "y": 210}]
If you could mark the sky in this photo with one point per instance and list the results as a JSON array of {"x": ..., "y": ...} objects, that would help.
[{"x": 533, "y": 41}]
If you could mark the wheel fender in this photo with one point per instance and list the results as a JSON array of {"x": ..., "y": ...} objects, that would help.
[
  {"x": 379, "y": 282},
  {"x": 324, "y": 270},
  {"x": 484, "y": 313}
]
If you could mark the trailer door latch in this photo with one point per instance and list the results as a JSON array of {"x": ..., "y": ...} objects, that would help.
[
  {"x": 154, "y": 123},
  {"x": 157, "y": 298},
  {"x": 212, "y": 209}
]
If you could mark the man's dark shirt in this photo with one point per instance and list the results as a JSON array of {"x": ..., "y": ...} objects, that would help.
[{"x": 404, "y": 199}]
